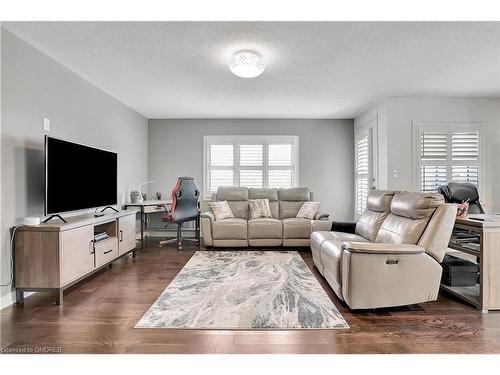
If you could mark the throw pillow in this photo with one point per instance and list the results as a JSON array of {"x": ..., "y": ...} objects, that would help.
[
  {"x": 259, "y": 208},
  {"x": 221, "y": 210},
  {"x": 308, "y": 210}
]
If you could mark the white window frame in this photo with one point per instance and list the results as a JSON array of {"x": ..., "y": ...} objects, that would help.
[
  {"x": 447, "y": 127},
  {"x": 236, "y": 141}
]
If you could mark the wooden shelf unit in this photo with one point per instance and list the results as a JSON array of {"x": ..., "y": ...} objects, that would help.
[
  {"x": 54, "y": 256},
  {"x": 486, "y": 294}
]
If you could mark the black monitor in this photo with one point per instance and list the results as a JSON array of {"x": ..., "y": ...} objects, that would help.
[{"x": 78, "y": 177}]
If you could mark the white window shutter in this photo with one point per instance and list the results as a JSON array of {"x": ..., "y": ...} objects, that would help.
[
  {"x": 465, "y": 146},
  {"x": 280, "y": 178},
  {"x": 220, "y": 177},
  {"x": 433, "y": 146},
  {"x": 448, "y": 155},
  {"x": 254, "y": 161},
  {"x": 221, "y": 155},
  {"x": 432, "y": 176},
  {"x": 251, "y": 155},
  {"x": 465, "y": 173},
  {"x": 280, "y": 155},
  {"x": 251, "y": 178},
  {"x": 362, "y": 170}
]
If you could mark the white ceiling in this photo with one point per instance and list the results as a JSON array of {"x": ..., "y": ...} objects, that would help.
[{"x": 314, "y": 69}]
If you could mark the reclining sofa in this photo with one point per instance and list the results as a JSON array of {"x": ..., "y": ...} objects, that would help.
[
  {"x": 283, "y": 229},
  {"x": 392, "y": 255}
]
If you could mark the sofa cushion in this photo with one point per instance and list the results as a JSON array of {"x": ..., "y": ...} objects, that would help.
[
  {"x": 259, "y": 208},
  {"x": 415, "y": 205},
  {"x": 239, "y": 209},
  {"x": 261, "y": 193},
  {"x": 410, "y": 213},
  {"x": 265, "y": 228},
  {"x": 289, "y": 209},
  {"x": 380, "y": 200},
  {"x": 294, "y": 194},
  {"x": 230, "y": 229},
  {"x": 229, "y": 193},
  {"x": 296, "y": 228},
  {"x": 398, "y": 229},
  {"x": 369, "y": 224}
]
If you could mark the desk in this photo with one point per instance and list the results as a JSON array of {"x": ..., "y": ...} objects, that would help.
[
  {"x": 145, "y": 208},
  {"x": 485, "y": 295}
]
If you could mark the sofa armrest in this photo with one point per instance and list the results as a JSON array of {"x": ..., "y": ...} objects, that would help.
[
  {"x": 207, "y": 219},
  {"x": 346, "y": 227},
  {"x": 381, "y": 248},
  {"x": 321, "y": 216},
  {"x": 208, "y": 215}
]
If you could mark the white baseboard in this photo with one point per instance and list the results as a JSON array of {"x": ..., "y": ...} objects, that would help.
[{"x": 10, "y": 299}]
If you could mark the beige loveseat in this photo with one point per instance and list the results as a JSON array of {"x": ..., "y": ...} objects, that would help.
[
  {"x": 283, "y": 229},
  {"x": 392, "y": 255}
]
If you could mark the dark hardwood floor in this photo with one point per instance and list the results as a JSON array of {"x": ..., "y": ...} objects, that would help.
[{"x": 99, "y": 314}]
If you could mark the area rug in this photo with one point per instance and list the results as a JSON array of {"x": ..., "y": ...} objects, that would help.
[{"x": 244, "y": 290}]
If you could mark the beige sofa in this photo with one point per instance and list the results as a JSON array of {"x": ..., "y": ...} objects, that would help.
[
  {"x": 392, "y": 255},
  {"x": 283, "y": 229}
]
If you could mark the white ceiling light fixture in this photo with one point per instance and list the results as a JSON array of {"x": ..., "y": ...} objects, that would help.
[{"x": 247, "y": 64}]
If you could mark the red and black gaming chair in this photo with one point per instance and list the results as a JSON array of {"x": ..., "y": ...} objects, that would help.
[{"x": 185, "y": 207}]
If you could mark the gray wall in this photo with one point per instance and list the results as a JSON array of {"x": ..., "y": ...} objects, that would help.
[
  {"x": 325, "y": 151},
  {"x": 33, "y": 86}
]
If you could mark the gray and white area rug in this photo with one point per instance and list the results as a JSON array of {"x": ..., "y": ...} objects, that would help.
[{"x": 244, "y": 290}]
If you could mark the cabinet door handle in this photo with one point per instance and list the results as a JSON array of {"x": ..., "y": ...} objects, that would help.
[
  {"x": 107, "y": 252},
  {"x": 121, "y": 236},
  {"x": 92, "y": 247}
]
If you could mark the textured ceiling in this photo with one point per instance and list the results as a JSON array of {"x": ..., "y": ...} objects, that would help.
[{"x": 314, "y": 69}]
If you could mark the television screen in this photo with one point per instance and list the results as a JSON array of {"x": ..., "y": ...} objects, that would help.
[{"x": 78, "y": 177}]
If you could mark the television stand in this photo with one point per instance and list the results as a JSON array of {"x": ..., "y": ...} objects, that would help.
[
  {"x": 54, "y": 256},
  {"x": 54, "y": 217},
  {"x": 111, "y": 208}
]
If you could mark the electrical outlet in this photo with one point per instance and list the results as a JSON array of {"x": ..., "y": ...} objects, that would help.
[
  {"x": 395, "y": 173},
  {"x": 46, "y": 124}
]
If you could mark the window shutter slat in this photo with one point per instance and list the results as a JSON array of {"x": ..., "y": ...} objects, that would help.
[
  {"x": 432, "y": 176},
  {"x": 251, "y": 155},
  {"x": 465, "y": 173},
  {"x": 465, "y": 146},
  {"x": 433, "y": 146},
  {"x": 221, "y": 155},
  {"x": 280, "y": 178},
  {"x": 280, "y": 155},
  {"x": 220, "y": 177},
  {"x": 362, "y": 188},
  {"x": 251, "y": 178}
]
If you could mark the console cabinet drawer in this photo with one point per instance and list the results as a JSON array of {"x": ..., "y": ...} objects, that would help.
[{"x": 106, "y": 251}]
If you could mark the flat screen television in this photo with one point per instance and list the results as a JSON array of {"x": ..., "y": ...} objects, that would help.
[{"x": 78, "y": 177}]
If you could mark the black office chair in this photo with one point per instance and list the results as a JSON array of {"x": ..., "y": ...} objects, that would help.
[
  {"x": 458, "y": 192},
  {"x": 185, "y": 207}
]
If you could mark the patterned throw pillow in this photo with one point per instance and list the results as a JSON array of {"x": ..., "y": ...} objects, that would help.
[
  {"x": 308, "y": 210},
  {"x": 221, "y": 210},
  {"x": 259, "y": 208}
]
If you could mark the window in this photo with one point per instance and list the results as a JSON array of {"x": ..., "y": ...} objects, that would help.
[
  {"x": 362, "y": 169},
  {"x": 250, "y": 161},
  {"x": 449, "y": 153}
]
